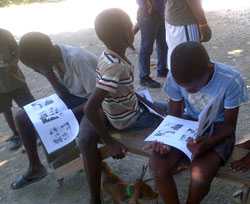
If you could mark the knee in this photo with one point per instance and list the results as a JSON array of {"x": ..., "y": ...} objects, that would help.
[
  {"x": 21, "y": 118},
  {"x": 87, "y": 137},
  {"x": 200, "y": 177},
  {"x": 159, "y": 168}
]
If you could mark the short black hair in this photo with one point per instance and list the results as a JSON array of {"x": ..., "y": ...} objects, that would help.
[
  {"x": 189, "y": 62},
  {"x": 111, "y": 26},
  {"x": 35, "y": 47},
  {"x": 8, "y": 44}
]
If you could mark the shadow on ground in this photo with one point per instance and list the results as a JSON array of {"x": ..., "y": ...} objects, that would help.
[{"x": 230, "y": 44}]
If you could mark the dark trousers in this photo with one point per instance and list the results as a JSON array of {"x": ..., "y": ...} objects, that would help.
[{"x": 152, "y": 29}]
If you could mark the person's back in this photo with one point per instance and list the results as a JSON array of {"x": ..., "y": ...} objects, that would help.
[
  {"x": 115, "y": 75},
  {"x": 79, "y": 74}
]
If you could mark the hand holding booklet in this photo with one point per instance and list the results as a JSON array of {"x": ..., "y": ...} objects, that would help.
[
  {"x": 55, "y": 124},
  {"x": 176, "y": 132}
]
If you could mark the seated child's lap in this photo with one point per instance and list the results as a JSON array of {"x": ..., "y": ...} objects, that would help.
[{"x": 145, "y": 120}]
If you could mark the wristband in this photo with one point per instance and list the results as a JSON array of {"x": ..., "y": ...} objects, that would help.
[{"x": 203, "y": 25}]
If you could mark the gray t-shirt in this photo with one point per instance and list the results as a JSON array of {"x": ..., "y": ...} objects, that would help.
[
  {"x": 178, "y": 13},
  {"x": 80, "y": 70}
]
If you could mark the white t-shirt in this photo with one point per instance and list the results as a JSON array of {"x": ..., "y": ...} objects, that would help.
[{"x": 80, "y": 70}]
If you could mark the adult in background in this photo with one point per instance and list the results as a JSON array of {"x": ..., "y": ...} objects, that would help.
[
  {"x": 185, "y": 21},
  {"x": 152, "y": 26}
]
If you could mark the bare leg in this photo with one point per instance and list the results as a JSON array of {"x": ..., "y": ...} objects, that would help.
[
  {"x": 14, "y": 140},
  {"x": 10, "y": 120},
  {"x": 162, "y": 167},
  {"x": 88, "y": 140},
  {"x": 29, "y": 137},
  {"x": 203, "y": 170}
]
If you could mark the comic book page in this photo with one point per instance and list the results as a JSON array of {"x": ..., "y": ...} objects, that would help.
[
  {"x": 146, "y": 94},
  {"x": 209, "y": 114},
  {"x": 175, "y": 131},
  {"x": 55, "y": 124}
]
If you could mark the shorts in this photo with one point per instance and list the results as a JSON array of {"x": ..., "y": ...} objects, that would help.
[
  {"x": 72, "y": 102},
  {"x": 147, "y": 119},
  {"x": 176, "y": 35},
  {"x": 22, "y": 96}
]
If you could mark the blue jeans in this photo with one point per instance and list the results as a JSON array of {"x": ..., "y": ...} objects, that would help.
[
  {"x": 152, "y": 28},
  {"x": 148, "y": 119}
]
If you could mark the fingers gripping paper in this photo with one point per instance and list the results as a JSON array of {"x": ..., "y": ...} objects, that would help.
[
  {"x": 55, "y": 124},
  {"x": 176, "y": 132}
]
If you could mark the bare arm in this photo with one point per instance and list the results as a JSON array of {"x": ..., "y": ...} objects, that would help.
[
  {"x": 226, "y": 129},
  {"x": 198, "y": 12},
  {"x": 93, "y": 111},
  {"x": 223, "y": 131}
]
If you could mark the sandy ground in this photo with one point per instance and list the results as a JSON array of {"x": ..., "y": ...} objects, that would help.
[{"x": 230, "y": 44}]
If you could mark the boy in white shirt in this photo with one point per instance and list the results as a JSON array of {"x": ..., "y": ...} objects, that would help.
[{"x": 71, "y": 72}]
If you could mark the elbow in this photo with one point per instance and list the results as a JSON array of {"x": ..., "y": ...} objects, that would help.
[
  {"x": 90, "y": 109},
  {"x": 87, "y": 110}
]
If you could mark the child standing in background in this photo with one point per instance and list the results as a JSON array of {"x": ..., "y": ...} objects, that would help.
[{"x": 12, "y": 83}]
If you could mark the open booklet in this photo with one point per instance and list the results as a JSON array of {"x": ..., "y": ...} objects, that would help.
[
  {"x": 55, "y": 124},
  {"x": 175, "y": 131}
]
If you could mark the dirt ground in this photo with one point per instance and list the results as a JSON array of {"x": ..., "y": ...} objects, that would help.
[{"x": 230, "y": 44}]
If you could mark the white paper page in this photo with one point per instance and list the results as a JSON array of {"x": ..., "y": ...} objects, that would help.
[
  {"x": 209, "y": 114},
  {"x": 41, "y": 104},
  {"x": 146, "y": 94},
  {"x": 55, "y": 124},
  {"x": 58, "y": 133},
  {"x": 175, "y": 131}
]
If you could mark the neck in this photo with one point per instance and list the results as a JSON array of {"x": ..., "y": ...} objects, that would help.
[
  {"x": 58, "y": 61},
  {"x": 57, "y": 55},
  {"x": 211, "y": 71},
  {"x": 120, "y": 51}
]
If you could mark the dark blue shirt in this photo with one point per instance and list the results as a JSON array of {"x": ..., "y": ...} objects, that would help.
[{"x": 158, "y": 5}]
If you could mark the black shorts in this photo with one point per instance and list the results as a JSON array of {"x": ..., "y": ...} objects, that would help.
[{"x": 21, "y": 96}]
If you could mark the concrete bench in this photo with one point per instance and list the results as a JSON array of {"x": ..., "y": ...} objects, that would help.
[{"x": 134, "y": 141}]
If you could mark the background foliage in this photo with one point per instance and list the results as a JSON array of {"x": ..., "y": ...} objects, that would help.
[{"x": 9, "y": 2}]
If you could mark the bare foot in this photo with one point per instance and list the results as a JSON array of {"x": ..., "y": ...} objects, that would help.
[
  {"x": 244, "y": 145},
  {"x": 242, "y": 164}
]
